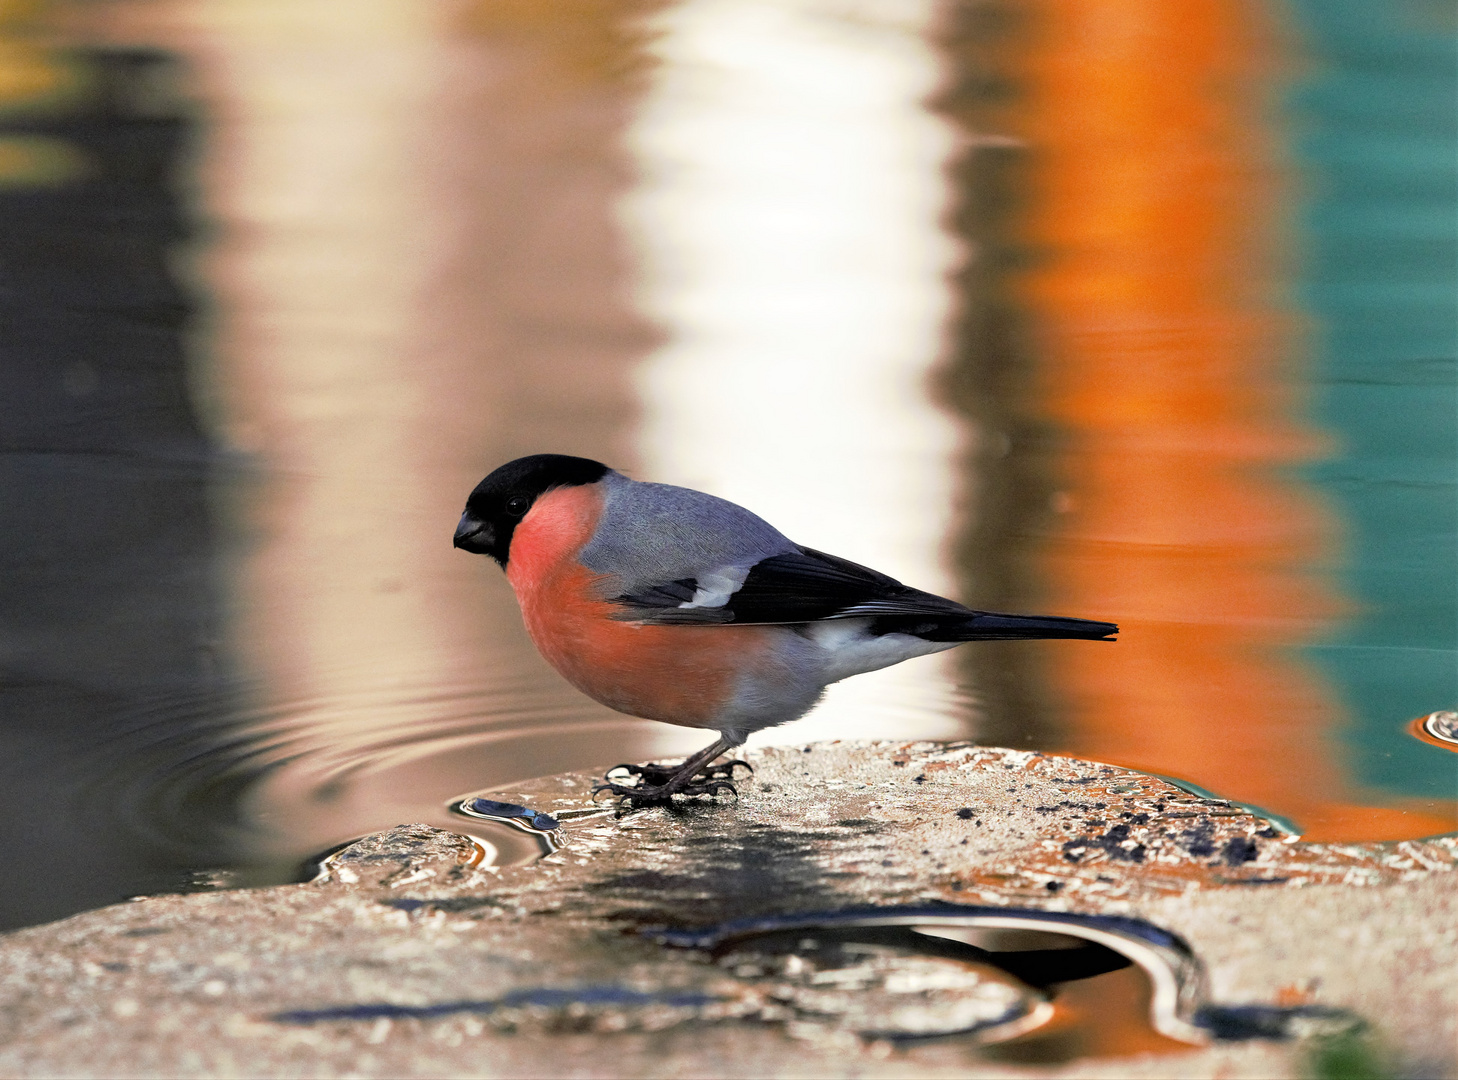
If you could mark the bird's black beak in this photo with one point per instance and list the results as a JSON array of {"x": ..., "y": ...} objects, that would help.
[{"x": 474, "y": 536}]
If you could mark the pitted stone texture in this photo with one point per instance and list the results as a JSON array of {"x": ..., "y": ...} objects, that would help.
[
  {"x": 902, "y": 823},
  {"x": 537, "y": 970},
  {"x": 1387, "y": 952}
]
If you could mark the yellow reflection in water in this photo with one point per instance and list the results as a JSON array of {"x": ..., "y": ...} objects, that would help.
[
  {"x": 789, "y": 222},
  {"x": 36, "y": 78}
]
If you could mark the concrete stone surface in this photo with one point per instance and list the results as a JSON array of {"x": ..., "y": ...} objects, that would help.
[{"x": 862, "y": 909}]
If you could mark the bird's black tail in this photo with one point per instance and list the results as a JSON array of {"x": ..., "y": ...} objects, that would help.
[{"x": 990, "y": 626}]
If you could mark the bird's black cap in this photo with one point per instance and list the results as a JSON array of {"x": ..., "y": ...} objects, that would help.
[{"x": 500, "y": 501}]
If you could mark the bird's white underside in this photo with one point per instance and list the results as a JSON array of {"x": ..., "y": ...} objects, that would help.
[
  {"x": 851, "y": 650},
  {"x": 810, "y": 657}
]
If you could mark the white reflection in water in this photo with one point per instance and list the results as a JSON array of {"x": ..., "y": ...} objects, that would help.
[
  {"x": 323, "y": 182},
  {"x": 405, "y": 303},
  {"x": 788, "y": 220}
]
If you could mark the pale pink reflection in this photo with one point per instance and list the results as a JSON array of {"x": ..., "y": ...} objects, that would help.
[
  {"x": 419, "y": 276},
  {"x": 788, "y": 218}
]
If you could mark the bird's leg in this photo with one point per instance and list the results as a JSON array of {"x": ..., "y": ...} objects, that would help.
[{"x": 659, "y": 783}]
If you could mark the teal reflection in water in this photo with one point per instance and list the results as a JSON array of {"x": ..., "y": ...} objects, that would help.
[{"x": 1376, "y": 140}]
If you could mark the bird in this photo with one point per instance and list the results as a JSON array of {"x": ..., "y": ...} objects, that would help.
[{"x": 674, "y": 605}]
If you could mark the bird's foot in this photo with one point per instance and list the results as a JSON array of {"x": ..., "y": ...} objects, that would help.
[
  {"x": 659, "y": 775},
  {"x": 658, "y": 784},
  {"x": 646, "y": 775}
]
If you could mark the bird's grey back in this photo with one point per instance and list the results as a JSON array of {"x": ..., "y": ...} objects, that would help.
[{"x": 653, "y": 533}]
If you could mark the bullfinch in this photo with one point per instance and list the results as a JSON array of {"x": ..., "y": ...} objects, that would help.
[{"x": 674, "y": 605}]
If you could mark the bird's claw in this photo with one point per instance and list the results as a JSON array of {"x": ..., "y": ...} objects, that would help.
[
  {"x": 648, "y": 775},
  {"x": 658, "y": 775},
  {"x": 725, "y": 771},
  {"x": 631, "y": 796},
  {"x": 661, "y": 795},
  {"x": 712, "y": 787}
]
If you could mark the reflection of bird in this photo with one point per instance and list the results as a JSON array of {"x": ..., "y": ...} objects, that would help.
[{"x": 674, "y": 605}]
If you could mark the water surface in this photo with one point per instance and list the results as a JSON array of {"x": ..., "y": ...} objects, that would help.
[{"x": 1137, "y": 315}]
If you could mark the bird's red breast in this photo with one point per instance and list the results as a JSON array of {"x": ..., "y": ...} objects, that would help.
[{"x": 677, "y": 674}]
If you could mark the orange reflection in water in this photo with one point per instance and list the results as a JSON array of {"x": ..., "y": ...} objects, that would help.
[
  {"x": 1107, "y": 1016},
  {"x": 1161, "y": 352}
]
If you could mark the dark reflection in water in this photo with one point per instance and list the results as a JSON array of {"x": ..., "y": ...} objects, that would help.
[
  {"x": 115, "y": 774},
  {"x": 412, "y": 272},
  {"x": 988, "y": 374}
]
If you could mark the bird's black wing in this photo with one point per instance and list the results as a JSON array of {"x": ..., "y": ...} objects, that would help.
[
  {"x": 811, "y": 586},
  {"x": 796, "y": 587}
]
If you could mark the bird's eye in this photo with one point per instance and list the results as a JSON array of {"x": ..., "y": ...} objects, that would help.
[{"x": 517, "y": 505}]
